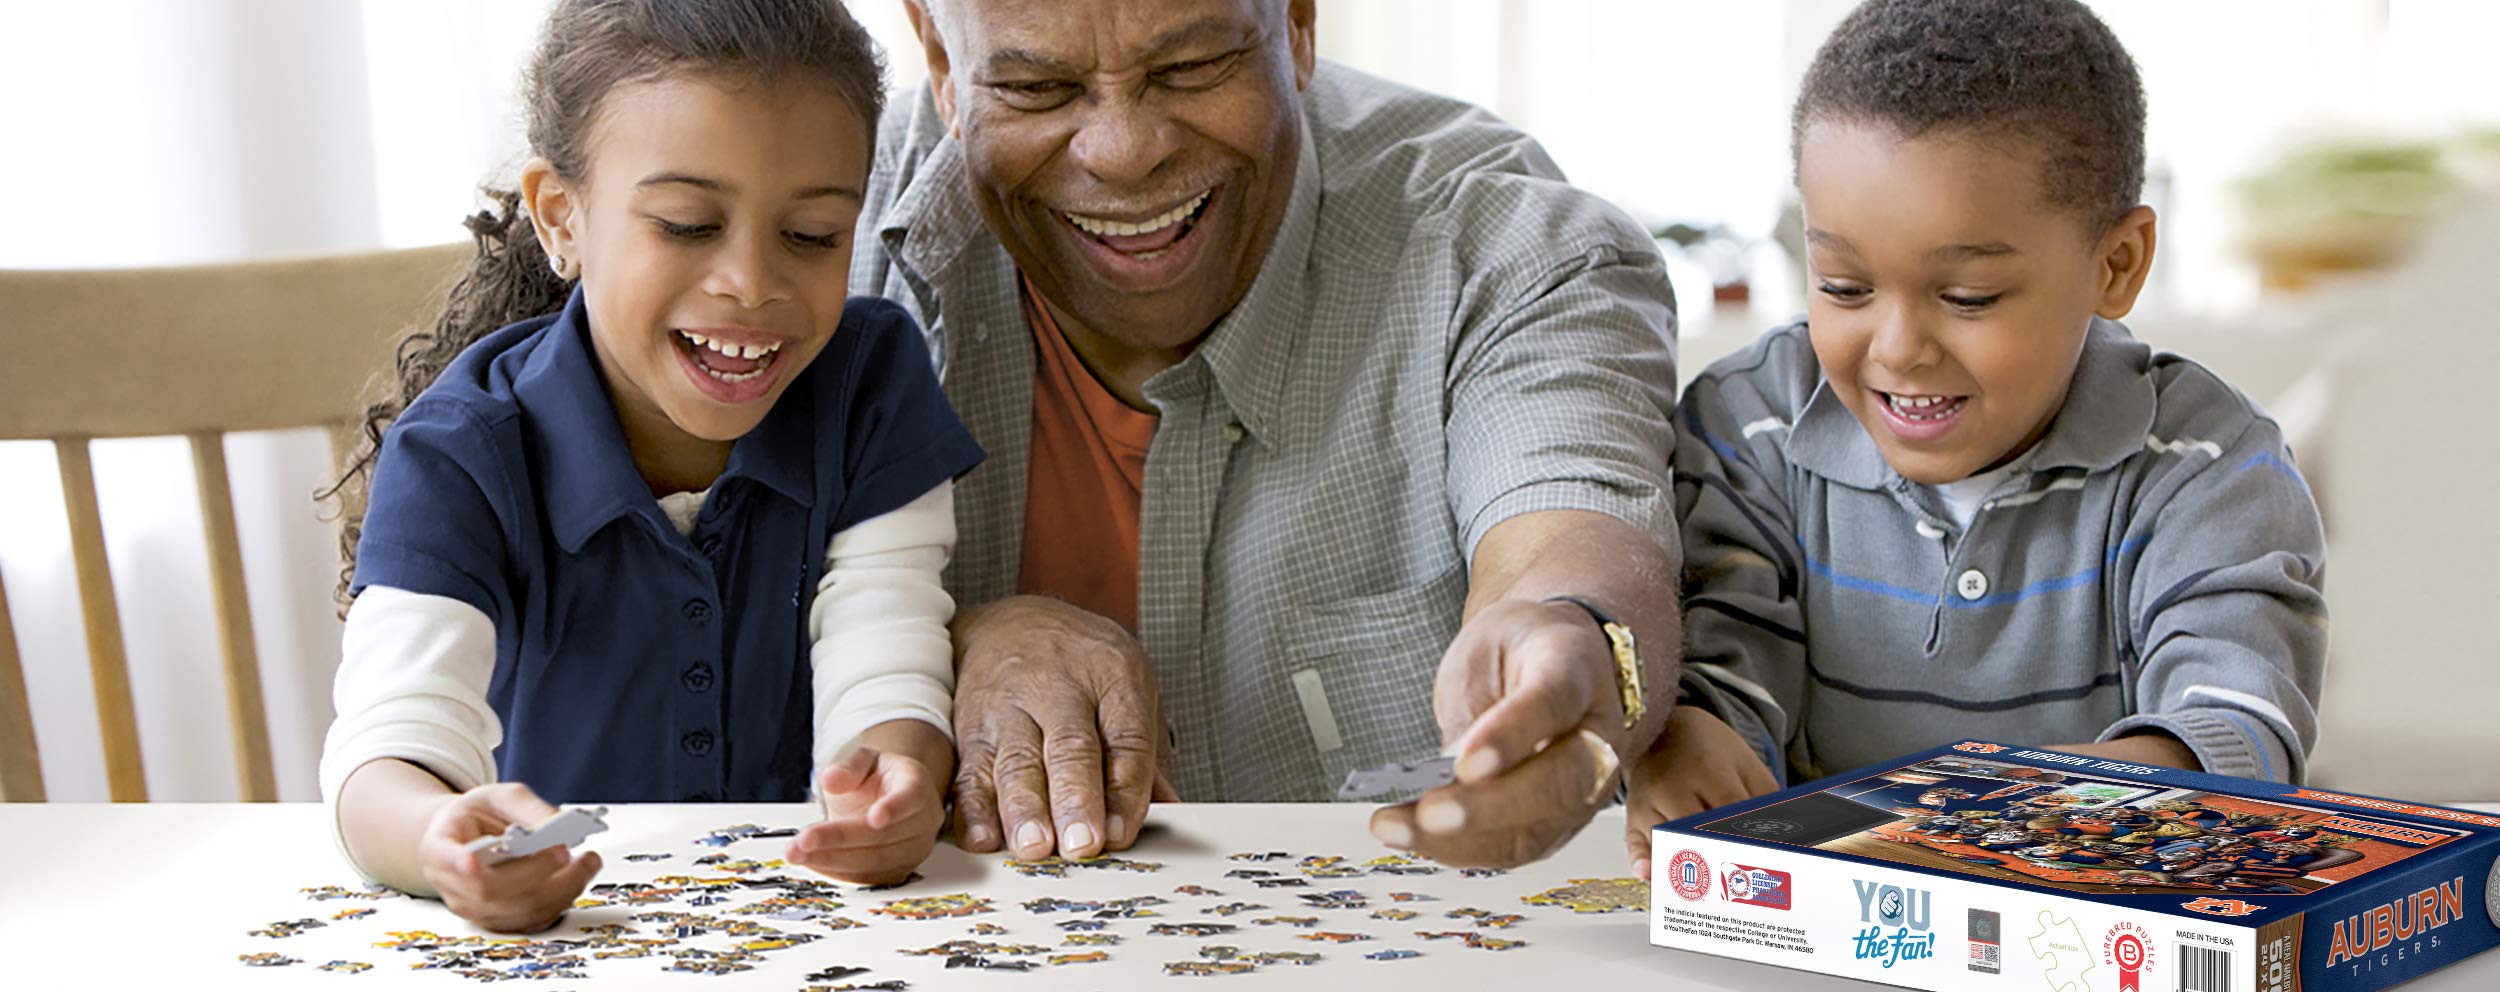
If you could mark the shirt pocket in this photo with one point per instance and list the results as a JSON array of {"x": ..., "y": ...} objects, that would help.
[{"x": 1360, "y": 672}]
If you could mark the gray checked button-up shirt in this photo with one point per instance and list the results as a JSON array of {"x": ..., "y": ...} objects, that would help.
[{"x": 1444, "y": 335}]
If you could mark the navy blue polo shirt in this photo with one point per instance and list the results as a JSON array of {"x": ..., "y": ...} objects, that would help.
[{"x": 633, "y": 663}]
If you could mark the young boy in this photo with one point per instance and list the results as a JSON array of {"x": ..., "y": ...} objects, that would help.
[{"x": 1960, "y": 500}]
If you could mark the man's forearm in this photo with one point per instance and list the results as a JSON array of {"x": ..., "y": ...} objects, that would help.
[{"x": 1612, "y": 564}]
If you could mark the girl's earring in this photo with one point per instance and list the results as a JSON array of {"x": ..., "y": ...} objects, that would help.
[{"x": 555, "y": 263}]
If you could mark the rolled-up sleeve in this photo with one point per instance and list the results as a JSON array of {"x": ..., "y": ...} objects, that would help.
[{"x": 1565, "y": 400}]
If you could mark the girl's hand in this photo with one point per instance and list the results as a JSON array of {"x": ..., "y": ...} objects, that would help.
[
  {"x": 882, "y": 814},
  {"x": 524, "y": 895},
  {"x": 1699, "y": 763}
]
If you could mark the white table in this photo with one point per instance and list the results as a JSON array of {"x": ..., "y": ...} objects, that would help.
[{"x": 161, "y": 896}]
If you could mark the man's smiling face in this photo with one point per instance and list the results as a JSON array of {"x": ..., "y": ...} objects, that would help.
[{"x": 1133, "y": 156}]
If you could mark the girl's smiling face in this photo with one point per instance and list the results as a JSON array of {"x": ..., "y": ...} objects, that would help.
[
  {"x": 711, "y": 231},
  {"x": 1948, "y": 298}
]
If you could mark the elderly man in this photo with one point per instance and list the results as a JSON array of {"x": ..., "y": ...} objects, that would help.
[{"x": 1327, "y": 428}]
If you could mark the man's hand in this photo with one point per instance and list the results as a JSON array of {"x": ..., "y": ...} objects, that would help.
[
  {"x": 1526, "y": 698},
  {"x": 1057, "y": 723},
  {"x": 884, "y": 801},
  {"x": 524, "y": 895},
  {"x": 1700, "y": 763}
]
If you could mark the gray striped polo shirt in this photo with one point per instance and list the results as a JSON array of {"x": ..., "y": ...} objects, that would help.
[{"x": 2155, "y": 563}]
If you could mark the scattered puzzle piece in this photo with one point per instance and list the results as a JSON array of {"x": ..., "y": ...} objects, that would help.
[
  {"x": 935, "y": 907},
  {"x": 1596, "y": 895}
]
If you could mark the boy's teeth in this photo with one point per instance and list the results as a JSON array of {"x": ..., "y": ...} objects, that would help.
[{"x": 1115, "y": 229}]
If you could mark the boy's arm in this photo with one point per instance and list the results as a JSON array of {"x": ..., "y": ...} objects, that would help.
[
  {"x": 2229, "y": 613},
  {"x": 1744, "y": 630}
]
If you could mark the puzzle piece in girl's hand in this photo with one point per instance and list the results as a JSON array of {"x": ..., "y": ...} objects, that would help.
[
  {"x": 568, "y": 827},
  {"x": 1399, "y": 776}
]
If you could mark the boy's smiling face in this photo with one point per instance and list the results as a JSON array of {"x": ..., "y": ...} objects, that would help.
[{"x": 1948, "y": 298}]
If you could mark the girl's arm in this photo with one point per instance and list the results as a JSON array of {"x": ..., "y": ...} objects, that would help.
[
  {"x": 408, "y": 767},
  {"x": 884, "y": 694},
  {"x": 413, "y": 726}
]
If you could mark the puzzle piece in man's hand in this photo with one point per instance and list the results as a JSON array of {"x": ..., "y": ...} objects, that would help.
[
  {"x": 567, "y": 828},
  {"x": 1399, "y": 776}
]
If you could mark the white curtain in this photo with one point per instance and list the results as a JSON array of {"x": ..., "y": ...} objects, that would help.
[{"x": 166, "y": 131}]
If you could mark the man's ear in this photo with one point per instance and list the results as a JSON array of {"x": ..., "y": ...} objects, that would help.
[
  {"x": 555, "y": 213},
  {"x": 1302, "y": 29},
  {"x": 2124, "y": 260},
  {"x": 924, "y": 23}
]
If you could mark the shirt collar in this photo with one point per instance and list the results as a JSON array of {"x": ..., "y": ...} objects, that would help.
[
  {"x": 1251, "y": 348},
  {"x": 2108, "y": 411},
  {"x": 587, "y": 476}
]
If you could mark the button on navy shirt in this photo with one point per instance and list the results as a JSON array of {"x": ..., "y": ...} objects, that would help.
[{"x": 633, "y": 663}]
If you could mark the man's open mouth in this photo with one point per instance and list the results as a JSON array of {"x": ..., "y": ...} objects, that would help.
[{"x": 1144, "y": 239}]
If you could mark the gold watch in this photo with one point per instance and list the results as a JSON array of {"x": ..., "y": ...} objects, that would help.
[{"x": 1628, "y": 676}]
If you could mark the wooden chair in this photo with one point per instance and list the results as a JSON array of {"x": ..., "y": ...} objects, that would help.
[{"x": 194, "y": 351}]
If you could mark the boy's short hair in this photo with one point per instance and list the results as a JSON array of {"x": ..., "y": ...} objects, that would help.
[{"x": 2045, "y": 71}]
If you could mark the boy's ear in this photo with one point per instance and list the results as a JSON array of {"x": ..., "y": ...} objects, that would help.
[
  {"x": 924, "y": 24},
  {"x": 2123, "y": 260},
  {"x": 555, "y": 214}
]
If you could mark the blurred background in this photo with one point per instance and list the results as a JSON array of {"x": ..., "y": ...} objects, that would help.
[{"x": 2302, "y": 151}]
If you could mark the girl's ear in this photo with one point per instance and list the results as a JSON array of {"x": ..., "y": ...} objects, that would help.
[
  {"x": 2125, "y": 258},
  {"x": 555, "y": 214}
]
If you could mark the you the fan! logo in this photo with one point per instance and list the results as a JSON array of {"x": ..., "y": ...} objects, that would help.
[{"x": 1910, "y": 913}]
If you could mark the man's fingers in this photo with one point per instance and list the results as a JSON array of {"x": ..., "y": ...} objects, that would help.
[
  {"x": 1072, "y": 761},
  {"x": 976, "y": 801},
  {"x": 1468, "y": 681},
  {"x": 1023, "y": 785},
  {"x": 1132, "y": 740},
  {"x": 1518, "y": 816},
  {"x": 1395, "y": 826},
  {"x": 1548, "y": 699}
]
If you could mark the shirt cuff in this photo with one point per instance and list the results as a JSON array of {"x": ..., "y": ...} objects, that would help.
[
  {"x": 1652, "y": 513},
  {"x": 2225, "y": 741}
]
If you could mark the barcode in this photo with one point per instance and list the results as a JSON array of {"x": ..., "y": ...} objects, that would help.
[{"x": 2204, "y": 969}]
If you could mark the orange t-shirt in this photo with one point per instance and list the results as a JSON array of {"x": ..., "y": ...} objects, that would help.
[{"x": 1085, "y": 482}]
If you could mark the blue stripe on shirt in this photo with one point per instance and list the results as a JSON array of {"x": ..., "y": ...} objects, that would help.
[{"x": 2078, "y": 580}]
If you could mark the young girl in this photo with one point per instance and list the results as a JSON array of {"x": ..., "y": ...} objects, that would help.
[{"x": 674, "y": 533}]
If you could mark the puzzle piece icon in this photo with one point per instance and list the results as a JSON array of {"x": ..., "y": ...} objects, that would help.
[{"x": 2059, "y": 943}]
